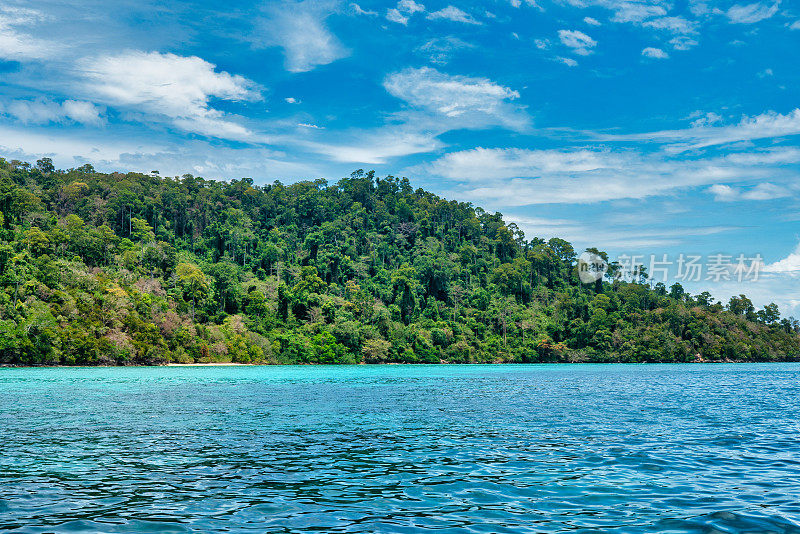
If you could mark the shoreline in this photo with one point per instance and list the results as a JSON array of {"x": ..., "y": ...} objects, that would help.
[
  {"x": 214, "y": 364},
  {"x": 236, "y": 364}
]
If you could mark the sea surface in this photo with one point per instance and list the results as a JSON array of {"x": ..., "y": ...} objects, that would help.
[{"x": 503, "y": 448}]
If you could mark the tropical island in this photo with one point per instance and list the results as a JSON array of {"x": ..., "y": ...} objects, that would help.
[{"x": 123, "y": 269}]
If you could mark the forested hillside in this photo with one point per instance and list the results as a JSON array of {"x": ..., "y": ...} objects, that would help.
[{"x": 137, "y": 269}]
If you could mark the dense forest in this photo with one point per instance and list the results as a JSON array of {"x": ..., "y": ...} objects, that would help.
[{"x": 116, "y": 269}]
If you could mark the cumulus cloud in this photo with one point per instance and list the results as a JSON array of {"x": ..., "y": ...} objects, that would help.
[
  {"x": 174, "y": 87},
  {"x": 580, "y": 43},
  {"x": 751, "y": 13},
  {"x": 454, "y": 14},
  {"x": 591, "y": 22},
  {"x": 655, "y": 53},
  {"x": 299, "y": 29},
  {"x": 568, "y": 61},
  {"x": 789, "y": 264},
  {"x": 450, "y": 96},
  {"x": 44, "y": 111},
  {"x": 436, "y": 103}
]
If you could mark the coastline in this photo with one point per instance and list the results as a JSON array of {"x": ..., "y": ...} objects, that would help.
[
  {"x": 262, "y": 364},
  {"x": 210, "y": 364}
]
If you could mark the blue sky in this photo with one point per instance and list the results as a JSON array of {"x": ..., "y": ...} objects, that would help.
[{"x": 640, "y": 127}]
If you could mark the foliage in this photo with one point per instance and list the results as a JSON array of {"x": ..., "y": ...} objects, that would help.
[{"x": 129, "y": 268}]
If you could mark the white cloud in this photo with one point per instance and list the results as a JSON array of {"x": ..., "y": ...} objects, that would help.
[
  {"x": 775, "y": 156},
  {"x": 517, "y": 177},
  {"x": 672, "y": 24},
  {"x": 440, "y": 49},
  {"x": 174, "y": 87},
  {"x": 643, "y": 13},
  {"x": 795, "y": 25},
  {"x": 682, "y": 43},
  {"x": 766, "y": 191},
  {"x": 376, "y": 147},
  {"x": 568, "y": 61},
  {"x": 751, "y": 13},
  {"x": 291, "y": 100},
  {"x": 789, "y": 264},
  {"x": 358, "y": 10},
  {"x": 635, "y": 12},
  {"x": 707, "y": 119},
  {"x": 403, "y": 11},
  {"x": 624, "y": 237},
  {"x": 122, "y": 150},
  {"x": 655, "y": 53},
  {"x": 762, "y": 191},
  {"x": 532, "y": 3},
  {"x": 764, "y": 126},
  {"x": 68, "y": 148},
  {"x": 578, "y": 41},
  {"x": 394, "y": 15},
  {"x": 478, "y": 100},
  {"x": 410, "y": 7},
  {"x": 591, "y": 22},
  {"x": 723, "y": 193},
  {"x": 299, "y": 28},
  {"x": 17, "y": 44},
  {"x": 454, "y": 14},
  {"x": 43, "y": 111},
  {"x": 481, "y": 164}
]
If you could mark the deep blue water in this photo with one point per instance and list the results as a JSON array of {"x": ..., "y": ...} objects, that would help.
[{"x": 580, "y": 448}]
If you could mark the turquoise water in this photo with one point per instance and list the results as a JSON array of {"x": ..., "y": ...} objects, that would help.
[{"x": 581, "y": 448}]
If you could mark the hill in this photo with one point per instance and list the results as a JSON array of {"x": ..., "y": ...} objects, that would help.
[{"x": 115, "y": 269}]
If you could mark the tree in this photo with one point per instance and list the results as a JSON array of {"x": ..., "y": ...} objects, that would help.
[
  {"x": 193, "y": 282},
  {"x": 141, "y": 231},
  {"x": 45, "y": 165},
  {"x": 404, "y": 283},
  {"x": 137, "y": 268},
  {"x": 375, "y": 350},
  {"x": 770, "y": 314}
]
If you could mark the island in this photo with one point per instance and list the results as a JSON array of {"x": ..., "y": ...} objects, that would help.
[{"x": 138, "y": 269}]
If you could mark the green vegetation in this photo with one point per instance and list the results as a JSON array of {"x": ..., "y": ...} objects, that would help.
[{"x": 137, "y": 269}]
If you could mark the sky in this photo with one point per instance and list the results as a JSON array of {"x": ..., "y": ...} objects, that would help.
[{"x": 641, "y": 127}]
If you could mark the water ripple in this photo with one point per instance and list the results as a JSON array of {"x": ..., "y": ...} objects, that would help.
[{"x": 621, "y": 449}]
